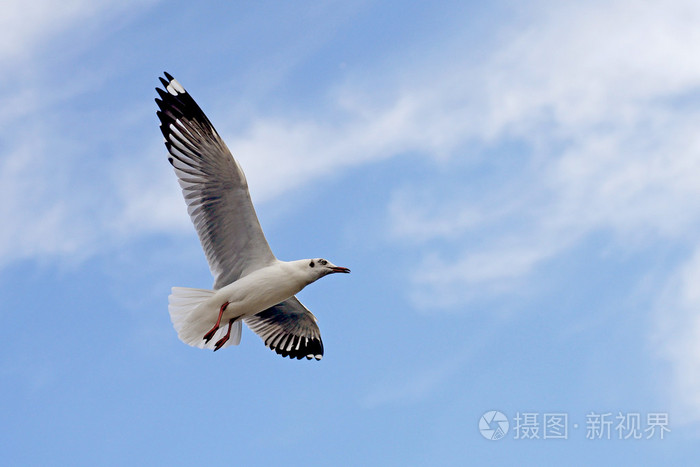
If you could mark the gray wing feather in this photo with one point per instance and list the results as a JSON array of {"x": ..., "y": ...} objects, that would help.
[
  {"x": 214, "y": 187},
  {"x": 289, "y": 329}
]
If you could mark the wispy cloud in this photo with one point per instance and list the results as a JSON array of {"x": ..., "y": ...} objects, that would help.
[
  {"x": 677, "y": 337},
  {"x": 597, "y": 93},
  {"x": 24, "y": 26},
  {"x": 604, "y": 98},
  {"x": 592, "y": 90},
  {"x": 417, "y": 383},
  {"x": 48, "y": 211}
]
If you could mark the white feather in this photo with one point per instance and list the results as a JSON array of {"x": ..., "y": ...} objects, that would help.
[{"x": 192, "y": 317}]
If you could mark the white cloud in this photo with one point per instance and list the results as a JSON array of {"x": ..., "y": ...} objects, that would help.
[
  {"x": 593, "y": 91},
  {"x": 578, "y": 65},
  {"x": 46, "y": 210},
  {"x": 33, "y": 227},
  {"x": 604, "y": 95},
  {"x": 25, "y": 26},
  {"x": 278, "y": 154},
  {"x": 677, "y": 338},
  {"x": 590, "y": 87},
  {"x": 147, "y": 193},
  {"x": 418, "y": 218}
]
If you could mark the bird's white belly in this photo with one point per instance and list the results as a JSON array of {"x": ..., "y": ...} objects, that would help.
[{"x": 254, "y": 293}]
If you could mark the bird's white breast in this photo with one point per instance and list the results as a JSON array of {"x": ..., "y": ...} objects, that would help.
[{"x": 259, "y": 290}]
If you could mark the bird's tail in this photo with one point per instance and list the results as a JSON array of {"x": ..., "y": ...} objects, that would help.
[{"x": 193, "y": 316}]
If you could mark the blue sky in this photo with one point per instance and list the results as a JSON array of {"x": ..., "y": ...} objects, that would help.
[{"x": 515, "y": 189}]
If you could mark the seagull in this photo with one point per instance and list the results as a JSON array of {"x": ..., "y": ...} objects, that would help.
[{"x": 250, "y": 284}]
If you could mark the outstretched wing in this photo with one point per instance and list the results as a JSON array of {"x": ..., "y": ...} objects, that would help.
[
  {"x": 214, "y": 186},
  {"x": 289, "y": 329}
]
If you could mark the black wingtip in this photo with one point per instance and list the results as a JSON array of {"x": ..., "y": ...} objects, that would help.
[
  {"x": 168, "y": 75},
  {"x": 162, "y": 94},
  {"x": 312, "y": 351}
]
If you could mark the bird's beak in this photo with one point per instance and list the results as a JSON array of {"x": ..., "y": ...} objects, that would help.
[{"x": 340, "y": 269}]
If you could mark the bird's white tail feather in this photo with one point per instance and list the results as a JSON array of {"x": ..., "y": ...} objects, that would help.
[{"x": 193, "y": 316}]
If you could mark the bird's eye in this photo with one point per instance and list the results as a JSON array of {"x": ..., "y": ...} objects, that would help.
[
  {"x": 323, "y": 261},
  {"x": 311, "y": 264}
]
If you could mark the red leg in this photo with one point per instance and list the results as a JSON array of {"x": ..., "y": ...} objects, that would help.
[
  {"x": 224, "y": 339},
  {"x": 210, "y": 334}
]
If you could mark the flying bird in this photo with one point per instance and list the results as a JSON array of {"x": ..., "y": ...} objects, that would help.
[{"x": 250, "y": 284}]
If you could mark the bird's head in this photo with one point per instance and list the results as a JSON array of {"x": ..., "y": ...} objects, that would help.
[{"x": 319, "y": 267}]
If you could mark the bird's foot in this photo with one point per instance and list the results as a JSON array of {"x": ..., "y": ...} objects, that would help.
[
  {"x": 212, "y": 331},
  {"x": 208, "y": 336},
  {"x": 220, "y": 343}
]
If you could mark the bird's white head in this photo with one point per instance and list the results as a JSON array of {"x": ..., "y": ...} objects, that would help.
[{"x": 316, "y": 268}]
